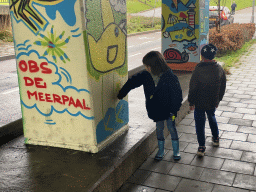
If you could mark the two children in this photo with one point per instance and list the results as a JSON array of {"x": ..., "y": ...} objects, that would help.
[
  {"x": 163, "y": 97},
  {"x": 206, "y": 89}
]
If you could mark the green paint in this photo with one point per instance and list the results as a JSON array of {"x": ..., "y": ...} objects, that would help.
[{"x": 94, "y": 23}]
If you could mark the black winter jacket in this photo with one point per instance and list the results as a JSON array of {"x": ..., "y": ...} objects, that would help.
[
  {"x": 162, "y": 100},
  {"x": 207, "y": 85}
]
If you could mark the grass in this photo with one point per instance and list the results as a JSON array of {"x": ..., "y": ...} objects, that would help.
[
  {"x": 140, "y": 24},
  {"x": 241, "y": 4},
  {"x": 6, "y": 36},
  {"x": 231, "y": 58},
  {"x": 135, "y": 6},
  {"x": 5, "y": 29}
]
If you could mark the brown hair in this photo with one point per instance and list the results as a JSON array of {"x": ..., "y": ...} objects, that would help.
[{"x": 156, "y": 61}]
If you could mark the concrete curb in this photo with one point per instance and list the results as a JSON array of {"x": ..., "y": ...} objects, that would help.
[
  {"x": 144, "y": 32},
  {"x": 8, "y": 57},
  {"x": 11, "y": 131}
]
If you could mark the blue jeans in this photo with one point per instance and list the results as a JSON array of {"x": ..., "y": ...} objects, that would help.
[
  {"x": 200, "y": 124},
  {"x": 171, "y": 127}
]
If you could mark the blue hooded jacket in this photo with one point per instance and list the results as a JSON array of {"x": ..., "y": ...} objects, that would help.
[{"x": 162, "y": 100}]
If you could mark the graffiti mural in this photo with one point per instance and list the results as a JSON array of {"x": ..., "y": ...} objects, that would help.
[
  {"x": 107, "y": 60},
  {"x": 69, "y": 71},
  {"x": 181, "y": 33}
]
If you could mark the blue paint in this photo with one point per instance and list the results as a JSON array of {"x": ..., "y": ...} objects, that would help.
[
  {"x": 21, "y": 20},
  {"x": 24, "y": 49},
  {"x": 66, "y": 9},
  {"x": 49, "y": 123},
  {"x": 179, "y": 26},
  {"x": 67, "y": 74},
  {"x": 76, "y": 35},
  {"x": 75, "y": 30},
  {"x": 38, "y": 43},
  {"x": 23, "y": 44},
  {"x": 110, "y": 121},
  {"x": 190, "y": 45},
  {"x": 55, "y": 110},
  {"x": 180, "y": 7}
]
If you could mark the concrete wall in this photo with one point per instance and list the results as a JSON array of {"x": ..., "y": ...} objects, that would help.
[{"x": 71, "y": 62}]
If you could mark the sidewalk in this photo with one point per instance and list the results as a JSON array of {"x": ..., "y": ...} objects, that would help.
[
  {"x": 228, "y": 168},
  {"x": 6, "y": 51}
]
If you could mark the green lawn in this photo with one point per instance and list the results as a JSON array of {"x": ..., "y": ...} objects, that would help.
[
  {"x": 241, "y": 4},
  {"x": 135, "y": 6}
]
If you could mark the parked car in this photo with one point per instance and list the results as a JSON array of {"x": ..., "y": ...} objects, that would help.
[{"x": 225, "y": 16}]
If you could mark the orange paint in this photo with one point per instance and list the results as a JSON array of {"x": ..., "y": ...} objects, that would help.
[{"x": 189, "y": 66}]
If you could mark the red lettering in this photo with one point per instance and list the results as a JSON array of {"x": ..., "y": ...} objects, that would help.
[
  {"x": 23, "y": 66},
  {"x": 56, "y": 98},
  {"x": 79, "y": 104},
  {"x": 72, "y": 102},
  {"x": 28, "y": 81},
  {"x": 45, "y": 69},
  {"x": 32, "y": 94},
  {"x": 86, "y": 108},
  {"x": 37, "y": 82},
  {"x": 40, "y": 94},
  {"x": 33, "y": 68},
  {"x": 64, "y": 99},
  {"x": 48, "y": 98}
]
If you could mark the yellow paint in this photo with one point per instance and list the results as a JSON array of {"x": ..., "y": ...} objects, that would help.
[
  {"x": 109, "y": 51},
  {"x": 48, "y": 2},
  {"x": 107, "y": 15}
]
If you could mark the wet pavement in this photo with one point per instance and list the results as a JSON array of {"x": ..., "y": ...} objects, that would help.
[
  {"x": 38, "y": 168},
  {"x": 229, "y": 167}
]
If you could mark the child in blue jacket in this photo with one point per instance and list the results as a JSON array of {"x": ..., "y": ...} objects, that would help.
[{"x": 163, "y": 97}]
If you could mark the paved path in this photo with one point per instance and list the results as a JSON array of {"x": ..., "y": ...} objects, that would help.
[
  {"x": 6, "y": 49},
  {"x": 227, "y": 168}
]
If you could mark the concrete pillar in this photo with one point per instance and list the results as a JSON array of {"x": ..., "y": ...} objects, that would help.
[
  {"x": 185, "y": 28},
  {"x": 71, "y": 63}
]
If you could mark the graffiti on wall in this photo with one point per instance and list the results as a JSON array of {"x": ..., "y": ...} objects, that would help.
[
  {"x": 180, "y": 30},
  {"x": 204, "y": 22},
  {"x": 70, "y": 65},
  {"x": 107, "y": 55}
]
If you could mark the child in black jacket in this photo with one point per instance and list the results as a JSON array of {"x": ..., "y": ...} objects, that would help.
[
  {"x": 163, "y": 97},
  {"x": 206, "y": 89}
]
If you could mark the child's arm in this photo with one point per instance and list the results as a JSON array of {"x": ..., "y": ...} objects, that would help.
[{"x": 133, "y": 82}]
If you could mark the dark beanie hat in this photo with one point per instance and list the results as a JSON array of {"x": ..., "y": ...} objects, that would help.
[{"x": 209, "y": 51}]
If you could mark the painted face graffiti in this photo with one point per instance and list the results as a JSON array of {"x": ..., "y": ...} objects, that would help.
[{"x": 109, "y": 51}]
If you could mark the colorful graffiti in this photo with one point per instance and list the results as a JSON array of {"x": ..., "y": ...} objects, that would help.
[
  {"x": 107, "y": 38},
  {"x": 53, "y": 46},
  {"x": 70, "y": 70},
  {"x": 26, "y": 11},
  {"x": 181, "y": 27}
]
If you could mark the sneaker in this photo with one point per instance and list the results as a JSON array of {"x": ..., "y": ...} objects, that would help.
[
  {"x": 216, "y": 142},
  {"x": 201, "y": 151}
]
